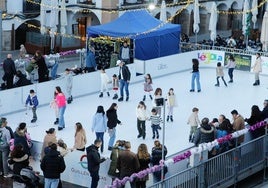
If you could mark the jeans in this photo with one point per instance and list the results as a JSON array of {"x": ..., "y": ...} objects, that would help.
[
  {"x": 51, "y": 183},
  {"x": 112, "y": 134},
  {"x": 123, "y": 84},
  {"x": 34, "y": 113},
  {"x": 141, "y": 128},
  {"x": 230, "y": 73},
  {"x": 54, "y": 69},
  {"x": 195, "y": 77},
  {"x": 3, "y": 163},
  {"x": 99, "y": 136},
  {"x": 155, "y": 130},
  {"x": 94, "y": 178},
  {"x": 61, "y": 116}
]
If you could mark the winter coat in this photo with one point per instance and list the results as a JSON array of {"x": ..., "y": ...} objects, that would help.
[
  {"x": 4, "y": 138},
  {"x": 239, "y": 124},
  {"x": 141, "y": 114},
  {"x": 32, "y": 101},
  {"x": 90, "y": 60},
  {"x": 20, "y": 138},
  {"x": 264, "y": 113},
  {"x": 204, "y": 134},
  {"x": 124, "y": 73},
  {"x": 80, "y": 140},
  {"x": 9, "y": 67},
  {"x": 112, "y": 118},
  {"x": 93, "y": 159},
  {"x": 60, "y": 100},
  {"x": 193, "y": 120},
  {"x": 171, "y": 101},
  {"x": 156, "y": 155},
  {"x": 20, "y": 161},
  {"x": 144, "y": 164},
  {"x": 99, "y": 123},
  {"x": 127, "y": 163},
  {"x": 113, "y": 171},
  {"x": 219, "y": 71},
  {"x": 252, "y": 121},
  {"x": 49, "y": 138},
  {"x": 53, "y": 164},
  {"x": 257, "y": 67}
]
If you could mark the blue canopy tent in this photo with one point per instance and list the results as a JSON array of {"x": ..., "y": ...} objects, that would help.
[{"x": 152, "y": 38}]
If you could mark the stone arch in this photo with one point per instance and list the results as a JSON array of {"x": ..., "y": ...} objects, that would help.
[
  {"x": 223, "y": 19},
  {"x": 184, "y": 20},
  {"x": 158, "y": 15},
  {"x": 20, "y": 32}
]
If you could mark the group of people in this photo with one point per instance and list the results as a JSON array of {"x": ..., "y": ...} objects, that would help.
[{"x": 205, "y": 131}]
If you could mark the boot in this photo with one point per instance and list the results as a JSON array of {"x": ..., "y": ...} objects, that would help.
[
  {"x": 101, "y": 95},
  {"x": 258, "y": 82},
  {"x": 71, "y": 98},
  {"x": 167, "y": 118},
  {"x": 255, "y": 83},
  {"x": 144, "y": 98},
  {"x": 120, "y": 99},
  {"x": 171, "y": 118},
  {"x": 108, "y": 94},
  {"x": 115, "y": 96},
  {"x": 190, "y": 138},
  {"x": 217, "y": 85},
  {"x": 151, "y": 97},
  {"x": 56, "y": 122},
  {"x": 153, "y": 137}
]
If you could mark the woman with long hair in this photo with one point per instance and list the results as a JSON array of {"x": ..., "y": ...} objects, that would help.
[
  {"x": 61, "y": 103},
  {"x": 144, "y": 160},
  {"x": 99, "y": 124},
  {"x": 80, "y": 137},
  {"x": 112, "y": 122}
]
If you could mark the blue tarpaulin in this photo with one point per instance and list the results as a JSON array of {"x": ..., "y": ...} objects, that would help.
[{"x": 152, "y": 38}]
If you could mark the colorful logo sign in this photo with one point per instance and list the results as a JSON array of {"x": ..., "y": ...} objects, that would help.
[
  {"x": 83, "y": 161},
  {"x": 208, "y": 57}
]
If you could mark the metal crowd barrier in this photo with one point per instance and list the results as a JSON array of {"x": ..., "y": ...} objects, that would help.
[
  {"x": 186, "y": 47},
  {"x": 223, "y": 170}
]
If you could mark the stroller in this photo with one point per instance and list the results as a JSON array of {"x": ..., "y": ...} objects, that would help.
[{"x": 26, "y": 179}]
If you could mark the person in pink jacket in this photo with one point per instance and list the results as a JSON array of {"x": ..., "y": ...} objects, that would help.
[{"x": 61, "y": 103}]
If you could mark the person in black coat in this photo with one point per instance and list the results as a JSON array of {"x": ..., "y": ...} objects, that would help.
[
  {"x": 9, "y": 71},
  {"x": 93, "y": 161},
  {"x": 18, "y": 159},
  {"x": 22, "y": 80},
  {"x": 204, "y": 134},
  {"x": 124, "y": 79},
  {"x": 112, "y": 122},
  {"x": 156, "y": 156},
  {"x": 20, "y": 138},
  {"x": 42, "y": 67},
  {"x": 255, "y": 117},
  {"x": 264, "y": 112},
  {"x": 52, "y": 166}
]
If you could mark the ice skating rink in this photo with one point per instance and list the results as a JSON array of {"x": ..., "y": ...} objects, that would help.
[{"x": 211, "y": 101}]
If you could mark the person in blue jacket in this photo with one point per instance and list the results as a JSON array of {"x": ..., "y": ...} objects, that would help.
[
  {"x": 90, "y": 60},
  {"x": 33, "y": 103}
]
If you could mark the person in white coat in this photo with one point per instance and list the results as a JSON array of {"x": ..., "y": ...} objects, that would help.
[
  {"x": 142, "y": 116},
  {"x": 257, "y": 68},
  {"x": 104, "y": 82}
]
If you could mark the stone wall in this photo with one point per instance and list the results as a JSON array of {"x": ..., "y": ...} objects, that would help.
[
  {"x": 3, "y": 6},
  {"x": 6, "y": 40}
]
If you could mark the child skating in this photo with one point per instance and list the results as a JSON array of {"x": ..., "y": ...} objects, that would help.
[
  {"x": 193, "y": 121},
  {"x": 148, "y": 86},
  {"x": 142, "y": 116},
  {"x": 32, "y": 101},
  {"x": 115, "y": 83},
  {"x": 171, "y": 103},
  {"x": 219, "y": 74},
  {"x": 155, "y": 123}
]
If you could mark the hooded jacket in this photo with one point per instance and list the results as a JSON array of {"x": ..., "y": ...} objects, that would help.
[
  {"x": 20, "y": 138},
  {"x": 4, "y": 138},
  {"x": 93, "y": 158},
  {"x": 204, "y": 134}
]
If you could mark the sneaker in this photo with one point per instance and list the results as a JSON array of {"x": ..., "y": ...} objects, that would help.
[
  {"x": 192, "y": 90},
  {"x": 60, "y": 128},
  {"x": 199, "y": 90},
  {"x": 127, "y": 98},
  {"x": 157, "y": 137},
  {"x": 8, "y": 176},
  {"x": 120, "y": 99}
]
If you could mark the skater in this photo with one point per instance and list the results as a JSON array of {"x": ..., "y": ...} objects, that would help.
[
  {"x": 155, "y": 123},
  {"x": 157, "y": 96},
  {"x": 112, "y": 123},
  {"x": 124, "y": 79},
  {"x": 193, "y": 121},
  {"x": 99, "y": 124},
  {"x": 115, "y": 83},
  {"x": 257, "y": 68},
  {"x": 69, "y": 85},
  {"x": 61, "y": 103},
  {"x": 171, "y": 103},
  {"x": 220, "y": 74},
  {"x": 231, "y": 66},
  {"x": 195, "y": 76},
  {"x": 148, "y": 86},
  {"x": 141, "y": 119},
  {"x": 33, "y": 102},
  {"x": 104, "y": 82}
]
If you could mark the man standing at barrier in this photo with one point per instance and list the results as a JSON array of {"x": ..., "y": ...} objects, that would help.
[
  {"x": 9, "y": 71},
  {"x": 124, "y": 79},
  {"x": 94, "y": 160}
]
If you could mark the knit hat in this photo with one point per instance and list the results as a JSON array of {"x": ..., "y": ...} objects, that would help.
[
  {"x": 50, "y": 131},
  {"x": 22, "y": 126}
]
